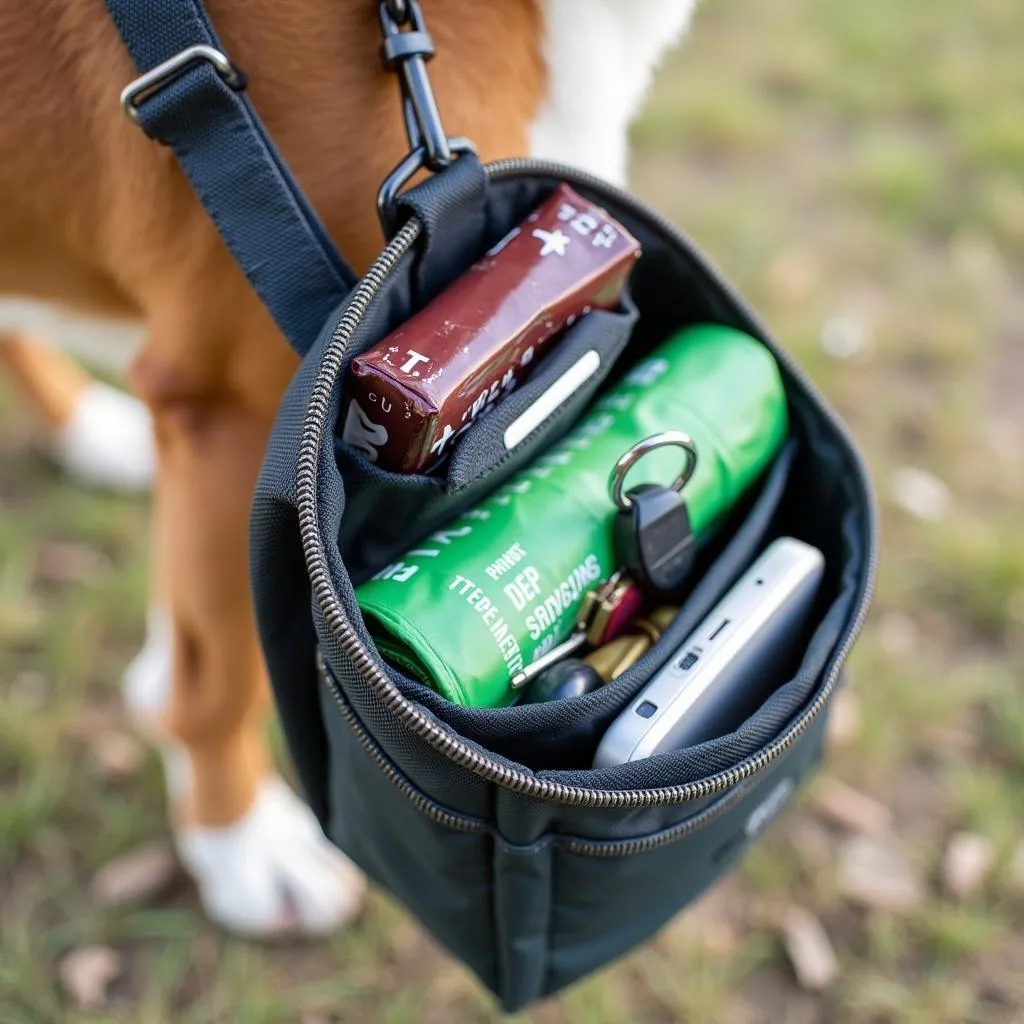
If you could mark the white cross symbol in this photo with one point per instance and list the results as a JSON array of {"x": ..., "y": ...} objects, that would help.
[{"x": 554, "y": 241}]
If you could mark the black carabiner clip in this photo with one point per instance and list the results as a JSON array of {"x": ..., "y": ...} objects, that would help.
[{"x": 406, "y": 51}]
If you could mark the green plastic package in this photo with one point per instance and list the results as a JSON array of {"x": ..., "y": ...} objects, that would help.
[{"x": 477, "y": 601}]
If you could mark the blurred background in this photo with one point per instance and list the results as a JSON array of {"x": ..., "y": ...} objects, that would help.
[{"x": 858, "y": 171}]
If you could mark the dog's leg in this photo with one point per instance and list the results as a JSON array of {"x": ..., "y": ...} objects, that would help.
[
  {"x": 261, "y": 862},
  {"x": 101, "y": 436}
]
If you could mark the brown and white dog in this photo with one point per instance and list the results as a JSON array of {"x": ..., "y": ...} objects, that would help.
[{"x": 96, "y": 217}]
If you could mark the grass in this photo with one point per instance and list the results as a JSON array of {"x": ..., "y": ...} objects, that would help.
[{"x": 859, "y": 160}]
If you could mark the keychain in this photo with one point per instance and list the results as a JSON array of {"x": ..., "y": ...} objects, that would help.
[
  {"x": 655, "y": 541},
  {"x": 566, "y": 676},
  {"x": 606, "y": 612},
  {"x": 653, "y": 535},
  {"x": 622, "y": 653}
]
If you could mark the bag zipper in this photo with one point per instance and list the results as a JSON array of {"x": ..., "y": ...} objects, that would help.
[
  {"x": 646, "y": 844},
  {"x": 474, "y": 826},
  {"x": 417, "y": 721}
]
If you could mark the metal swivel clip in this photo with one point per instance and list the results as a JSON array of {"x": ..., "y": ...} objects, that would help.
[{"x": 406, "y": 48}]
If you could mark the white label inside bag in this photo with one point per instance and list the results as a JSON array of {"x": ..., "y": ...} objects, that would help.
[{"x": 564, "y": 388}]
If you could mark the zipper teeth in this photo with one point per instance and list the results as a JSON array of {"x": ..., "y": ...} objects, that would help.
[
  {"x": 631, "y": 847},
  {"x": 399, "y": 781},
  {"x": 418, "y": 722}
]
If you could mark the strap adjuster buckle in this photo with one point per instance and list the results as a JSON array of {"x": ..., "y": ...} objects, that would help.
[{"x": 154, "y": 80}]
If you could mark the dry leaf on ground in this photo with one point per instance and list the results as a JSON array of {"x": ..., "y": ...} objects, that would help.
[
  {"x": 135, "y": 876},
  {"x": 845, "y": 337},
  {"x": 119, "y": 754},
  {"x": 876, "y": 873},
  {"x": 850, "y": 809},
  {"x": 920, "y": 493},
  {"x": 791, "y": 275},
  {"x": 969, "y": 859},
  {"x": 812, "y": 841},
  {"x": 809, "y": 950},
  {"x": 87, "y": 974},
  {"x": 62, "y": 562}
]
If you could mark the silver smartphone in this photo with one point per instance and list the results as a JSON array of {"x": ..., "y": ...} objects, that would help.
[{"x": 729, "y": 665}]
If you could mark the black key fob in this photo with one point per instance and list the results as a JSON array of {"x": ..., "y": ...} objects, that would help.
[
  {"x": 654, "y": 539},
  {"x": 653, "y": 534}
]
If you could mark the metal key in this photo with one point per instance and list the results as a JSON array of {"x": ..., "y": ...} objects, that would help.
[
  {"x": 612, "y": 659},
  {"x": 652, "y": 531},
  {"x": 577, "y": 640},
  {"x": 609, "y": 609}
]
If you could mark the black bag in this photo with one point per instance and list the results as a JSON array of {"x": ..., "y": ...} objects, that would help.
[
  {"x": 527, "y": 866},
  {"x": 486, "y": 824}
]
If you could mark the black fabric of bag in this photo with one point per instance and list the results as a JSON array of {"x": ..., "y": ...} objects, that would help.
[{"x": 489, "y": 824}]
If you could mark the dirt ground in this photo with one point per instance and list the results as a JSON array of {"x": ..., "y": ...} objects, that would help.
[{"x": 858, "y": 171}]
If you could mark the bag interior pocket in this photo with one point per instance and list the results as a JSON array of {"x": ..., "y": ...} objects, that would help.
[
  {"x": 813, "y": 492},
  {"x": 388, "y": 513},
  {"x": 558, "y": 739},
  {"x": 564, "y": 734}
]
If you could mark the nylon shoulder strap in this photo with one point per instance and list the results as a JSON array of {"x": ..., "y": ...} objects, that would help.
[{"x": 191, "y": 98}]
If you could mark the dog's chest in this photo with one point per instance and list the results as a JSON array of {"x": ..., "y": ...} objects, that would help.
[{"x": 600, "y": 57}]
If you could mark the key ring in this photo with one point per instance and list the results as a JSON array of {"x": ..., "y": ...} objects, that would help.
[{"x": 666, "y": 439}]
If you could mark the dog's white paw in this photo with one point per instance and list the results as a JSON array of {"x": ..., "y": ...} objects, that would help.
[
  {"x": 273, "y": 873},
  {"x": 108, "y": 442}
]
